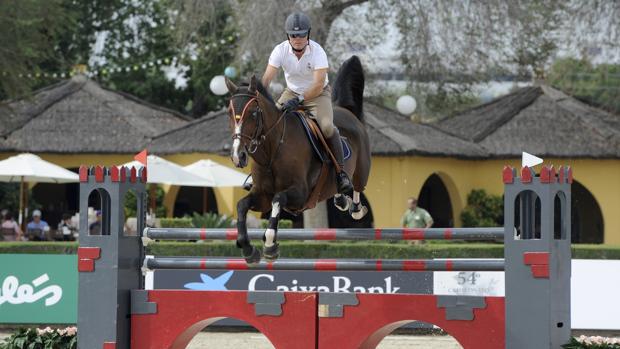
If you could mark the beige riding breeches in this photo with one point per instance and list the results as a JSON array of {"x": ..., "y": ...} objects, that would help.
[{"x": 320, "y": 107}]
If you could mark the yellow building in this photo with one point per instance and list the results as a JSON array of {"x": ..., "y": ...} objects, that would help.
[{"x": 78, "y": 122}]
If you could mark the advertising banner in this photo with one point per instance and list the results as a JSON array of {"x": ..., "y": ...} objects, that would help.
[
  {"x": 38, "y": 288},
  {"x": 324, "y": 281}
]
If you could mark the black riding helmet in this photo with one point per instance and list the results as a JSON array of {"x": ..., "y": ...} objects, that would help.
[{"x": 297, "y": 23}]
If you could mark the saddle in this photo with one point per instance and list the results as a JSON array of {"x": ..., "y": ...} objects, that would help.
[{"x": 323, "y": 152}]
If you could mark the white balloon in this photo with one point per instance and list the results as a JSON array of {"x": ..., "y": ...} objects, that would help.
[
  {"x": 406, "y": 105},
  {"x": 277, "y": 88},
  {"x": 218, "y": 85}
]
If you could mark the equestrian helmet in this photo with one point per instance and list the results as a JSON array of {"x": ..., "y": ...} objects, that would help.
[{"x": 297, "y": 23}]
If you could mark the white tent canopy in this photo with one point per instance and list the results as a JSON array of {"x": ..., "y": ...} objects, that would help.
[
  {"x": 161, "y": 171},
  {"x": 218, "y": 175}
]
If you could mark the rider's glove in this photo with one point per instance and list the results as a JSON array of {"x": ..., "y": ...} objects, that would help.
[{"x": 291, "y": 104}]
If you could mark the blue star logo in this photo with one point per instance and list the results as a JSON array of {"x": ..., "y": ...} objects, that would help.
[{"x": 210, "y": 284}]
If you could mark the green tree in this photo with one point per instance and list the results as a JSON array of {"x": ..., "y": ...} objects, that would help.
[
  {"x": 598, "y": 85},
  {"x": 29, "y": 31},
  {"x": 143, "y": 37},
  {"x": 209, "y": 43},
  {"x": 483, "y": 210},
  {"x": 129, "y": 46}
]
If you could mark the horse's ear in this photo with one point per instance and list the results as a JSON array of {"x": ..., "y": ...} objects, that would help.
[
  {"x": 232, "y": 88},
  {"x": 253, "y": 83}
]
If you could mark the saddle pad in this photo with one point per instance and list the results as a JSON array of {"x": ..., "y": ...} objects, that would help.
[{"x": 316, "y": 145}]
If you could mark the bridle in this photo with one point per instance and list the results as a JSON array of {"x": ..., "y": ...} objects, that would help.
[{"x": 258, "y": 137}]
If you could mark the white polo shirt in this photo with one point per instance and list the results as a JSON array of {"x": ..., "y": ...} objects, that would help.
[{"x": 299, "y": 72}]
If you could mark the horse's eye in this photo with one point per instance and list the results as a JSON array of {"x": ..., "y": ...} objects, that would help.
[{"x": 254, "y": 114}]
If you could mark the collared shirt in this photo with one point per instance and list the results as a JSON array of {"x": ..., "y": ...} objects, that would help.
[
  {"x": 41, "y": 225},
  {"x": 417, "y": 218},
  {"x": 299, "y": 73}
]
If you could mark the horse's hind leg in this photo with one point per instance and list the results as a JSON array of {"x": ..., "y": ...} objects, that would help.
[
  {"x": 250, "y": 253},
  {"x": 342, "y": 202},
  {"x": 357, "y": 210}
]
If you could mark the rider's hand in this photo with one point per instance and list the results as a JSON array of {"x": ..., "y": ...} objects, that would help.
[{"x": 291, "y": 104}]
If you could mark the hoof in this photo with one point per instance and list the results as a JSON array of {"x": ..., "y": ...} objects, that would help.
[
  {"x": 358, "y": 211},
  {"x": 342, "y": 202},
  {"x": 271, "y": 253},
  {"x": 253, "y": 257}
]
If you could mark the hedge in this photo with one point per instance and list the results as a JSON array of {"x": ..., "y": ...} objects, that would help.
[{"x": 312, "y": 249}]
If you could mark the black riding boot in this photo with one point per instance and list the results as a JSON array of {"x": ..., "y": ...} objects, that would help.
[{"x": 344, "y": 183}]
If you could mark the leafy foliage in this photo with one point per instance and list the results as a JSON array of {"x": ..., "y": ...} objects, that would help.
[
  {"x": 29, "y": 32},
  {"x": 30, "y": 338},
  {"x": 598, "y": 85},
  {"x": 331, "y": 249},
  {"x": 483, "y": 210},
  {"x": 211, "y": 220},
  {"x": 131, "y": 204},
  {"x": 598, "y": 342},
  {"x": 282, "y": 224},
  {"x": 9, "y": 197},
  {"x": 185, "y": 222}
]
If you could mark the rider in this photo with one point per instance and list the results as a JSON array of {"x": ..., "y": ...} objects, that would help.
[{"x": 305, "y": 69}]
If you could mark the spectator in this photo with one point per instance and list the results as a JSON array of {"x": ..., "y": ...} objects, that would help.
[
  {"x": 37, "y": 229},
  {"x": 66, "y": 228},
  {"x": 416, "y": 217},
  {"x": 10, "y": 229},
  {"x": 95, "y": 227}
]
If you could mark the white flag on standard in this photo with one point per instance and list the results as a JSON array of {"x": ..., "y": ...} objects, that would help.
[{"x": 530, "y": 160}]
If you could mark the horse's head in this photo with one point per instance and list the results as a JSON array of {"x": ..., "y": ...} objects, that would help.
[
  {"x": 246, "y": 120},
  {"x": 251, "y": 113}
]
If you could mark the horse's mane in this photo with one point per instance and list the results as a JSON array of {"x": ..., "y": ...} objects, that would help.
[
  {"x": 349, "y": 87},
  {"x": 261, "y": 89}
]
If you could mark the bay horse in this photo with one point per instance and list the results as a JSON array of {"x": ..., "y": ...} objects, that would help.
[{"x": 285, "y": 168}]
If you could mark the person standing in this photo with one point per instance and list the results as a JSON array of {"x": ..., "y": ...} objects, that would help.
[{"x": 415, "y": 217}]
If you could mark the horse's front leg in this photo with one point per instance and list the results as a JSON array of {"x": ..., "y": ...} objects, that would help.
[
  {"x": 271, "y": 250},
  {"x": 250, "y": 253}
]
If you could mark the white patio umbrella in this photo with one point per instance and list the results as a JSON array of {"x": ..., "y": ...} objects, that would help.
[
  {"x": 219, "y": 175},
  {"x": 161, "y": 171},
  {"x": 28, "y": 167}
]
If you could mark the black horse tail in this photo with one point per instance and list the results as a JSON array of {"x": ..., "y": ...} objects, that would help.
[{"x": 349, "y": 87}]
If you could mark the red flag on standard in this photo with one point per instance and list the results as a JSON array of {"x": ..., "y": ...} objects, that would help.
[{"x": 141, "y": 157}]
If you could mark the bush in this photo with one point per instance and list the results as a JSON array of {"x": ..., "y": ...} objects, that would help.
[
  {"x": 184, "y": 222},
  {"x": 31, "y": 338},
  {"x": 282, "y": 224},
  {"x": 211, "y": 220},
  {"x": 131, "y": 203},
  {"x": 483, "y": 210}
]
